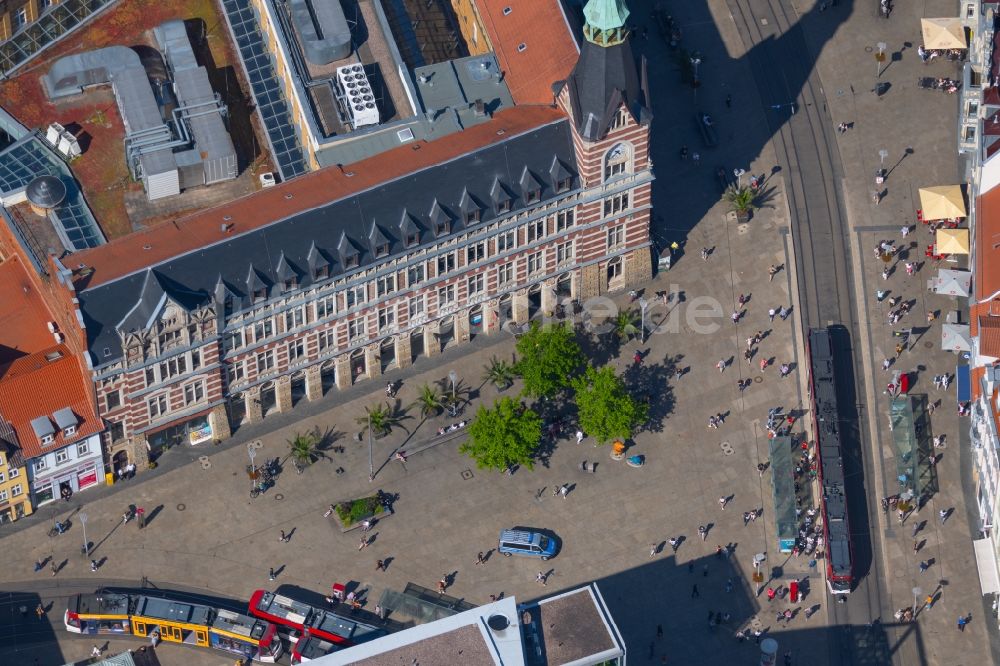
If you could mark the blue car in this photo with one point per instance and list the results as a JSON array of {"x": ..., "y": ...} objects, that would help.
[{"x": 527, "y": 543}]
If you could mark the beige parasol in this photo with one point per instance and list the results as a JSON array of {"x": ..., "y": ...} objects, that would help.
[
  {"x": 943, "y": 33},
  {"x": 953, "y": 241},
  {"x": 942, "y": 201}
]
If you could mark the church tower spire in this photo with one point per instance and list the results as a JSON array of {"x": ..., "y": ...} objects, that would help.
[{"x": 605, "y": 22}]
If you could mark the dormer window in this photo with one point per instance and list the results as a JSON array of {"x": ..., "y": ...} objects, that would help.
[
  {"x": 503, "y": 206},
  {"x": 382, "y": 250},
  {"x": 47, "y": 439},
  {"x": 351, "y": 261},
  {"x": 259, "y": 295},
  {"x": 321, "y": 272},
  {"x": 289, "y": 284},
  {"x": 472, "y": 216},
  {"x": 412, "y": 240},
  {"x": 69, "y": 431},
  {"x": 441, "y": 228},
  {"x": 533, "y": 196},
  {"x": 564, "y": 185},
  {"x": 620, "y": 119}
]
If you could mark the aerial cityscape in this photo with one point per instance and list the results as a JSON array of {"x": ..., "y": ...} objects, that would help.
[{"x": 522, "y": 332}]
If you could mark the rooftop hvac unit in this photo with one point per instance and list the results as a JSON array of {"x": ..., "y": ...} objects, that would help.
[
  {"x": 68, "y": 145},
  {"x": 53, "y": 133},
  {"x": 267, "y": 179},
  {"x": 358, "y": 97}
]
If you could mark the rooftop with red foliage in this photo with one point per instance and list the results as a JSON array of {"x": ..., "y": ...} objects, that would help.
[
  {"x": 24, "y": 317},
  {"x": 533, "y": 43},
  {"x": 170, "y": 239},
  {"x": 41, "y": 384}
]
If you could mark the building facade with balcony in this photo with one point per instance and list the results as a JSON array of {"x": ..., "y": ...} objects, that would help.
[{"x": 199, "y": 325}]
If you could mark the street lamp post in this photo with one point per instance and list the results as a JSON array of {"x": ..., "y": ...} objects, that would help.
[
  {"x": 86, "y": 544},
  {"x": 916, "y": 595},
  {"x": 880, "y": 176},
  {"x": 643, "y": 304},
  {"x": 739, "y": 177},
  {"x": 453, "y": 377},
  {"x": 371, "y": 454},
  {"x": 251, "y": 451},
  {"x": 879, "y": 58}
]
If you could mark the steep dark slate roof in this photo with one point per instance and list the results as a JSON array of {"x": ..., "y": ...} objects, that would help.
[
  {"x": 603, "y": 78},
  {"x": 330, "y": 234}
]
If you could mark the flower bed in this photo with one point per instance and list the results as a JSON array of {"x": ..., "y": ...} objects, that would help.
[{"x": 351, "y": 513}]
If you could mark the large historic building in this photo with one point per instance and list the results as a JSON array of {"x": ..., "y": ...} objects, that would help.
[{"x": 195, "y": 326}]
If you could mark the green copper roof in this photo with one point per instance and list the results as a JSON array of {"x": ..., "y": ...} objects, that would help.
[{"x": 606, "y": 14}]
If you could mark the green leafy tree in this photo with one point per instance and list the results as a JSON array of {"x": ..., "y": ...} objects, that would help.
[
  {"x": 549, "y": 357},
  {"x": 504, "y": 435},
  {"x": 607, "y": 410},
  {"x": 382, "y": 418},
  {"x": 627, "y": 325},
  {"x": 304, "y": 448},
  {"x": 499, "y": 372},
  {"x": 429, "y": 401},
  {"x": 742, "y": 200}
]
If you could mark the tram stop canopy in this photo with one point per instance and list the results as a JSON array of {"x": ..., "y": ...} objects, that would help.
[
  {"x": 783, "y": 484},
  {"x": 942, "y": 201},
  {"x": 943, "y": 33}
]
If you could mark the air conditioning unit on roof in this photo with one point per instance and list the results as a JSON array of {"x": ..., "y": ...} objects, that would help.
[{"x": 357, "y": 96}]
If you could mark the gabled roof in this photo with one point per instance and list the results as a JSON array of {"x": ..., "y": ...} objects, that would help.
[
  {"x": 528, "y": 182},
  {"x": 468, "y": 204},
  {"x": 989, "y": 336},
  {"x": 284, "y": 271},
  {"x": 558, "y": 171},
  {"x": 408, "y": 225},
  {"x": 38, "y": 388},
  {"x": 341, "y": 226},
  {"x": 986, "y": 269},
  {"x": 377, "y": 238},
  {"x": 499, "y": 193},
  {"x": 604, "y": 78},
  {"x": 316, "y": 259},
  {"x": 24, "y": 315},
  {"x": 533, "y": 43}
]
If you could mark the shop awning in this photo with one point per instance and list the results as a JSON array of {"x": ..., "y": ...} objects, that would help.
[
  {"x": 953, "y": 241},
  {"x": 963, "y": 383},
  {"x": 951, "y": 283},
  {"x": 986, "y": 562},
  {"x": 942, "y": 201},
  {"x": 955, "y": 337},
  {"x": 943, "y": 33}
]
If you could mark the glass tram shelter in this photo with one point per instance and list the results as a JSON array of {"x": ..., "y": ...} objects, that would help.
[
  {"x": 782, "y": 459},
  {"x": 914, "y": 471}
]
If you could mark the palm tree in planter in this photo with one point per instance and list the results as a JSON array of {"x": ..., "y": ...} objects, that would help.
[
  {"x": 625, "y": 325},
  {"x": 304, "y": 449},
  {"x": 381, "y": 417},
  {"x": 742, "y": 201},
  {"x": 429, "y": 401},
  {"x": 500, "y": 373}
]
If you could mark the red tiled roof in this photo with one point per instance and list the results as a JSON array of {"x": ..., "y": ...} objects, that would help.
[
  {"x": 34, "y": 386},
  {"x": 549, "y": 49},
  {"x": 987, "y": 266},
  {"x": 23, "y": 315},
  {"x": 989, "y": 336},
  {"x": 163, "y": 241}
]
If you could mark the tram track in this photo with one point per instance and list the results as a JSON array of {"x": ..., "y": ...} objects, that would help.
[{"x": 802, "y": 137}]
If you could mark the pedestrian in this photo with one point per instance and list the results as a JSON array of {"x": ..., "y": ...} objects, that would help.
[
  {"x": 924, "y": 566},
  {"x": 931, "y": 316},
  {"x": 55, "y": 569},
  {"x": 696, "y": 158},
  {"x": 880, "y": 295},
  {"x": 885, "y": 273},
  {"x": 916, "y": 528},
  {"x": 760, "y": 469},
  {"x": 694, "y": 591},
  {"x": 721, "y": 365},
  {"x": 910, "y": 267},
  {"x": 637, "y": 358},
  {"x": 540, "y": 578},
  {"x": 283, "y": 538},
  {"x": 126, "y": 516},
  {"x": 363, "y": 543},
  {"x": 366, "y": 525},
  {"x": 684, "y": 152},
  {"x": 723, "y": 501},
  {"x": 270, "y": 573},
  {"x": 905, "y": 230},
  {"x": 771, "y": 592},
  {"x": 742, "y": 385},
  {"x": 771, "y": 272},
  {"x": 703, "y": 531},
  {"x": 763, "y": 364},
  {"x": 95, "y": 651},
  {"x": 704, "y": 571},
  {"x": 784, "y": 312},
  {"x": 746, "y": 514},
  {"x": 754, "y": 515},
  {"x": 564, "y": 490},
  {"x": 380, "y": 565},
  {"x": 877, "y": 198},
  {"x": 748, "y": 356},
  {"x": 579, "y": 436},
  {"x": 899, "y": 350},
  {"x": 40, "y": 611},
  {"x": 943, "y": 515},
  {"x": 652, "y": 550},
  {"x": 154, "y": 638},
  {"x": 735, "y": 317},
  {"x": 704, "y": 253},
  {"x": 916, "y": 547},
  {"x": 442, "y": 584},
  {"x": 674, "y": 543},
  {"x": 480, "y": 559},
  {"x": 785, "y": 369},
  {"x": 749, "y": 343},
  {"x": 886, "y": 364},
  {"x": 757, "y": 337},
  {"x": 929, "y": 601},
  {"x": 962, "y": 621},
  {"x": 771, "y": 312},
  {"x": 93, "y": 565}
]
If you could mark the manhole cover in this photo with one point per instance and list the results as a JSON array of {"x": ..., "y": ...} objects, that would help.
[
  {"x": 727, "y": 448},
  {"x": 181, "y": 507},
  {"x": 928, "y": 345},
  {"x": 466, "y": 474},
  {"x": 257, "y": 444},
  {"x": 203, "y": 459},
  {"x": 868, "y": 49},
  {"x": 758, "y": 380},
  {"x": 279, "y": 496}
]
